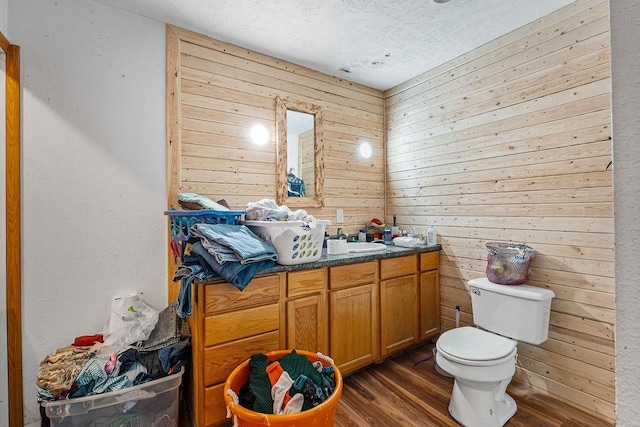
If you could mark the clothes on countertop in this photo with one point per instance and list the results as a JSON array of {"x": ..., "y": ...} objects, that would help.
[
  {"x": 289, "y": 385},
  {"x": 268, "y": 210},
  {"x": 231, "y": 252},
  {"x": 233, "y": 243},
  {"x": 200, "y": 201}
]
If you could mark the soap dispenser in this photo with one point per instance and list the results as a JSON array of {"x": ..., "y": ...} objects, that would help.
[{"x": 394, "y": 228}]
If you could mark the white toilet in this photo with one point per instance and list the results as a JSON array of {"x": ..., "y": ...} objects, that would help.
[{"x": 483, "y": 361}]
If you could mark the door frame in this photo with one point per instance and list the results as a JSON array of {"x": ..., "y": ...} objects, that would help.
[{"x": 13, "y": 260}]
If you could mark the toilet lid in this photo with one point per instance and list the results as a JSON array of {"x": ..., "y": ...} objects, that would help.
[{"x": 475, "y": 344}]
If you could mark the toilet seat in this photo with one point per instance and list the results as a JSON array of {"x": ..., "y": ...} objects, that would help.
[{"x": 472, "y": 346}]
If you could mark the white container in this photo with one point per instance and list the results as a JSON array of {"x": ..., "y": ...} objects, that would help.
[
  {"x": 152, "y": 403},
  {"x": 294, "y": 243},
  {"x": 337, "y": 247},
  {"x": 431, "y": 236}
]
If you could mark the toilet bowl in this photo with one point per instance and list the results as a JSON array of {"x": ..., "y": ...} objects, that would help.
[
  {"x": 482, "y": 364},
  {"x": 482, "y": 359}
]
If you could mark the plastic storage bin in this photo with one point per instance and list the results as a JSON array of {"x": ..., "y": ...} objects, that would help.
[
  {"x": 294, "y": 243},
  {"x": 319, "y": 416},
  {"x": 182, "y": 220},
  {"x": 508, "y": 263},
  {"x": 155, "y": 403}
]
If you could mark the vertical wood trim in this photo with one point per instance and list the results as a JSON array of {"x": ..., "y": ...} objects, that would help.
[
  {"x": 173, "y": 144},
  {"x": 318, "y": 157},
  {"x": 14, "y": 278},
  {"x": 281, "y": 151},
  {"x": 4, "y": 43}
]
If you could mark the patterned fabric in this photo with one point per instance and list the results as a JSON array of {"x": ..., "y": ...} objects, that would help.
[{"x": 295, "y": 186}]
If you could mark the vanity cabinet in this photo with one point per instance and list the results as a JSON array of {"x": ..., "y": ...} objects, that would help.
[
  {"x": 399, "y": 311},
  {"x": 429, "y": 295},
  {"x": 353, "y": 315},
  {"x": 306, "y": 310},
  {"x": 357, "y": 313},
  {"x": 228, "y": 326}
]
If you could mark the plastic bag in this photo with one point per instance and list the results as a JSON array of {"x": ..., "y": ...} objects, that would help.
[{"x": 131, "y": 320}]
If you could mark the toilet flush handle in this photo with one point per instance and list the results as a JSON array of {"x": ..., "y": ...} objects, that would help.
[{"x": 475, "y": 291}]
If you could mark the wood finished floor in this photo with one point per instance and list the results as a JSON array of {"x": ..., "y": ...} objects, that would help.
[{"x": 399, "y": 393}]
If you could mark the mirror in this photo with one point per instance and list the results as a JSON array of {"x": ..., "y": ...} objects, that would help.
[{"x": 299, "y": 157}]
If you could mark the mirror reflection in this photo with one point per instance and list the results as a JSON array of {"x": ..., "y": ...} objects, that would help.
[
  {"x": 300, "y": 173},
  {"x": 300, "y": 158}
]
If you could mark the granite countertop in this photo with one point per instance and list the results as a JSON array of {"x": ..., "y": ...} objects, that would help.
[{"x": 351, "y": 258}]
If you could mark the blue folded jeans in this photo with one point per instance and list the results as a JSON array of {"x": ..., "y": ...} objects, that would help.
[
  {"x": 229, "y": 242},
  {"x": 237, "y": 273}
]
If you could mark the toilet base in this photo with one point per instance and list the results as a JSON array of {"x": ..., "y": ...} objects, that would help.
[{"x": 476, "y": 407}]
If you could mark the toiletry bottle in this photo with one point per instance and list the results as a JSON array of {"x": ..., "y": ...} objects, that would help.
[
  {"x": 431, "y": 236},
  {"x": 362, "y": 235},
  {"x": 387, "y": 236},
  {"x": 394, "y": 228}
]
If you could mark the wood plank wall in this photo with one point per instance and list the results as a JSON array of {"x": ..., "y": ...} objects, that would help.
[
  {"x": 512, "y": 142},
  {"x": 223, "y": 90}
]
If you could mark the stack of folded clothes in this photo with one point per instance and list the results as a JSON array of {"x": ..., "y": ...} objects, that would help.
[{"x": 231, "y": 252}]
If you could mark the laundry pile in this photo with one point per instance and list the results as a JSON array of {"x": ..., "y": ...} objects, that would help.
[
  {"x": 269, "y": 210},
  {"x": 88, "y": 367},
  {"x": 286, "y": 386},
  {"x": 228, "y": 251}
]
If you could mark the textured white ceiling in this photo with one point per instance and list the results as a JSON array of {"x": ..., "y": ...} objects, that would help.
[{"x": 378, "y": 43}]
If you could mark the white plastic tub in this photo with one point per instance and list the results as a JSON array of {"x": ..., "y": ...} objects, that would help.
[
  {"x": 294, "y": 243},
  {"x": 155, "y": 403}
]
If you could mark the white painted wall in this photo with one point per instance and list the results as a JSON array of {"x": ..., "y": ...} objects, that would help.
[
  {"x": 93, "y": 169},
  {"x": 4, "y": 419},
  {"x": 625, "y": 33}
]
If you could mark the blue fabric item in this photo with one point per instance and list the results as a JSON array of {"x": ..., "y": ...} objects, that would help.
[
  {"x": 93, "y": 379},
  {"x": 236, "y": 273},
  {"x": 296, "y": 186},
  {"x": 199, "y": 265},
  {"x": 188, "y": 276},
  {"x": 225, "y": 240}
]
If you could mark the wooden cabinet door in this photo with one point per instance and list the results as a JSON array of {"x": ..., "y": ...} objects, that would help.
[
  {"x": 429, "y": 304},
  {"x": 354, "y": 328},
  {"x": 307, "y": 323},
  {"x": 399, "y": 315}
]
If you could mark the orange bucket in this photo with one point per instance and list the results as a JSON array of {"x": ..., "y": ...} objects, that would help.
[{"x": 319, "y": 416}]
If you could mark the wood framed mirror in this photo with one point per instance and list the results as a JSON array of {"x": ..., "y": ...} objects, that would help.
[{"x": 299, "y": 154}]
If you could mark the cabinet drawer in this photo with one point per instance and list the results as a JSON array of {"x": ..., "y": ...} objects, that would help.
[
  {"x": 429, "y": 261},
  {"x": 215, "y": 412},
  {"x": 353, "y": 274},
  {"x": 220, "y": 360},
  {"x": 305, "y": 282},
  {"x": 222, "y": 297},
  {"x": 235, "y": 325},
  {"x": 397, "y": 267}
]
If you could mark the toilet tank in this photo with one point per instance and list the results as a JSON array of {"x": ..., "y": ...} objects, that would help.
[{"x": 518, "y": 312}]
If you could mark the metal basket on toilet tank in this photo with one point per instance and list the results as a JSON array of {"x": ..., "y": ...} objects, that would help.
[
  {"x": 508, "y": 263},
  {"x": 295, "y": 243}
]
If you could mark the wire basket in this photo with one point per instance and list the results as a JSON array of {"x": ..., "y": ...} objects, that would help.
[{"x": 508, "y": 263}]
